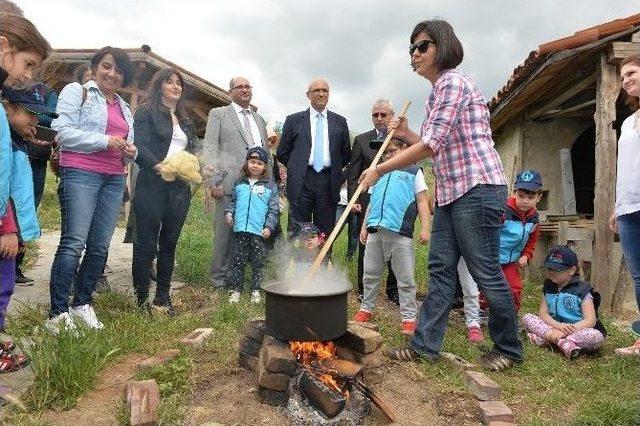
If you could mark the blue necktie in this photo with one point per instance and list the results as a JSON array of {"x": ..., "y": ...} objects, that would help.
[{"x": 318, "y": 149}]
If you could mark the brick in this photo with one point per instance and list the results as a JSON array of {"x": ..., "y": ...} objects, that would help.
[
  {"x": 277, "y": 357},
  {"x": 274, "y": 398},
  {"x": 482, "y": 386},
  {"x": 373, "y": 376},
  {"x": 360, "y": 339},
  {"x": 158, "y": 359},
  {"x": 197, "y": 336},
  {"x": 248, "y": 362},
  {"x": 373, "y": 359},
  {"x": 143, "y": 398},
  {"x": 255, "y": 328},
  {"x": 249, "y": 346},
  {"x": 369, "y": 325},
  {"x": 273, "y": 381},
  {"x": 493, "y": 411}
]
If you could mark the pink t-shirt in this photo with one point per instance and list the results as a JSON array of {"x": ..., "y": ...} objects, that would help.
[{"x": 108, "y": 161}]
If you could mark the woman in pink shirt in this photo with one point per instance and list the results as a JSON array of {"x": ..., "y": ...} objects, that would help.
[{"x": 95, "y": 134}]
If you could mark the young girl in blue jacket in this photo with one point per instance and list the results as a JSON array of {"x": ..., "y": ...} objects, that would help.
[{"x": 253, "y": 213}]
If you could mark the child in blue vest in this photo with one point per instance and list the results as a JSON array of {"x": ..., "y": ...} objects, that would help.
[
  {"x": 568, "y": 309},
  {"x": 387, "y": 232},
  {"x": 253, "y": 213}
]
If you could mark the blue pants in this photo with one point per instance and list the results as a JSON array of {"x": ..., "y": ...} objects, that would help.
[
  {"x": 629, "y": 230},
  {"x": 469, "y": 227},
  {"x": 89, "y": 207},
  {"x": 7, "y": 283}
]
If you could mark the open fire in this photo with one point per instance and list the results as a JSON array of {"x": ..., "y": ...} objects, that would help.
[{"x": 309, "y": 354}]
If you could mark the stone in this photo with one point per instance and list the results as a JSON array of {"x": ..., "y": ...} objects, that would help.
[
  {"x": 143, "y": 398},
  {"x": 248, "y": 346},
  {"x": 482, "y": 386},
  {"x": 360, "y": 338},
  {"x": 273, "y": 398},
  {"x": 373, "y": 376},
  {"x": 369, "y": 325},
  {"x": 197, "y": 336},
  {"x": 273, "y": 381},
  {"x": 159, "y": 359},
  {"x": 255, "y": 328},
  {"x": 493, "y": 411},
  {"x": 276, "y": 356},
  {"x": 373, "y": 359},
  {"x": 458, "y": 362},
  {"x": 248, "y": 362}
]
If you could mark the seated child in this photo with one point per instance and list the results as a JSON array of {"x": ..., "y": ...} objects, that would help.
[
  {"x": 387, "y": 232},
  {"x": 253, "y": 213},
  {"x": 307, "y": 243},
  {"x": 568, "y": 309}
]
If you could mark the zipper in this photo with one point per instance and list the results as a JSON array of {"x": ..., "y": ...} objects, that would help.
[
  {"x": 246, "y": 225},
  {"x": 384, "y": 196}
]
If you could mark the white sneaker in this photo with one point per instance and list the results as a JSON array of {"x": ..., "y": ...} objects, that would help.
[
  {"x": 62, "y": 320},
  {"x": 86, "y": 314},
  {"x": 255, "y": 297},
  {"x": 234, "y": 297}
]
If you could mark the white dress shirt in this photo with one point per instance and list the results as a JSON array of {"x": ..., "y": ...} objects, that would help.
[
  {"x": 313, "y": 118},
  {"x": 255, "y": 132}
]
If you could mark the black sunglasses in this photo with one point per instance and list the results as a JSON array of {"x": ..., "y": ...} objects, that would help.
[
  {"x": 379, "y": 114},
  {"x": 422, "y": 46}
]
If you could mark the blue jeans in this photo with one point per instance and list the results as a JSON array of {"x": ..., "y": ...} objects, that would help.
[
  {"x": 469, "y": 227},
  {"x": 89, "y": 207},
  {"x": 629, "y": 230}
]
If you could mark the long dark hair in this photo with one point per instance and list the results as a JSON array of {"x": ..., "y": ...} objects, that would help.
[
  {"x": 154, "y": 94},
  {"x": 244, "y": 172}
]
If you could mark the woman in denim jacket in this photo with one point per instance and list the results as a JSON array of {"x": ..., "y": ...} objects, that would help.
[{"x": 95, "y": 134}]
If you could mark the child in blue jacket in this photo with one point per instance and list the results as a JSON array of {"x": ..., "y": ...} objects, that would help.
[{"x": 253, "y": 213}]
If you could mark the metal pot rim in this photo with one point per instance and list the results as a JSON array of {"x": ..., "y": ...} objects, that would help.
[{"x": 293, "y": 288}]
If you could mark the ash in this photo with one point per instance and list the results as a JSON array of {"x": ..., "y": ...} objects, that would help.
[{"x": 301, "y": 412}]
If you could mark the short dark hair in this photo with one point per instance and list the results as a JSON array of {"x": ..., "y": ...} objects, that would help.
[
  {"x": 78, "y": 73},
  {"x": 632, "y": 102},
  {"x": 120, "y": 57},
  {"x": 450, "y": 51}
]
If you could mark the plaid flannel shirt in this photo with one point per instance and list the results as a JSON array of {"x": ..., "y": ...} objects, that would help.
[{"x": 457, "y": 130}]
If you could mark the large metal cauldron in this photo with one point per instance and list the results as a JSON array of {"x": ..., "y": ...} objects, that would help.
[{"x": 306, "y": 311}]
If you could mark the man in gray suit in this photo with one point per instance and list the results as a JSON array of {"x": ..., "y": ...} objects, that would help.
[{"x": 231, "y": 131}]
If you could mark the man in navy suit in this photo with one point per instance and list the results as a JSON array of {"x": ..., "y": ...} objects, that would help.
[{"x": 314, "y": 147}]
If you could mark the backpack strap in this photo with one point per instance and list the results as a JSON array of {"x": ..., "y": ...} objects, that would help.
[{"x": 84, "y": 95}]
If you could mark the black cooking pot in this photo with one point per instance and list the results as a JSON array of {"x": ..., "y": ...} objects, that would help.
[{"x": 303, "y": 311}]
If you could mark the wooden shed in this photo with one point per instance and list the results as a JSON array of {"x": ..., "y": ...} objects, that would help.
[
  {"x": 201, "y": 95},
  {"x": 560, "y": 113}
]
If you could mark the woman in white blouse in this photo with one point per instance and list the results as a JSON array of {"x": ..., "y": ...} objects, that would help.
[{"x": 160, "y": 208}]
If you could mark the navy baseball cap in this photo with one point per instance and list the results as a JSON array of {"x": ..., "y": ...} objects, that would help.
[
  {"x": 259, "y": 152},
  {"x": 307, "y": 228},
  {"x": 560, "y": 258},
  {"x": 529, "y": 180},
  {"x": 30, "y": 99}
]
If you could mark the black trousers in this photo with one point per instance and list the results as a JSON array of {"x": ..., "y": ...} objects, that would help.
[
  {"x": 315, "y": 203},
  {"x": 392, "y": 283},
  {"x": 249, "y": 249},
  {"x": 160, "y": 208}
]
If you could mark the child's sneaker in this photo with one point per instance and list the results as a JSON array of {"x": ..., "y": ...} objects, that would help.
[
  {"x": 255, "y": 297},
  {"x": 363, "y": 316},
  {"x": 570, "y": 349},
  {"x": 474, "y": 334},
  {"x": 408, "y": 327},
  {"x": 62, "y": 320},
  {"x": 10, "y": 362},
  {"x": 536, "y": 340},
  {"x": 86, "y": 314},
  {"x": 234, "y": 296}
]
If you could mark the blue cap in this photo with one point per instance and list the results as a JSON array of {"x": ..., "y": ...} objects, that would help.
[
  {"x": 560, "y": 258},
  {"x": 30, "y": 99},
  {"x": 259, "y": 152},
  {"x": 529, "y": 180}
]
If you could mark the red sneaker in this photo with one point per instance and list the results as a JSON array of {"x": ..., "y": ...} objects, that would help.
[
  {"x": 363, "y": 316},
  {"x": 408, "y": 327},
  {"x": 474, "y": 335}
]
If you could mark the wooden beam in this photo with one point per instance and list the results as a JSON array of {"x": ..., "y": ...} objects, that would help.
[
  {"x": 607, "y": 91},
  {"x": 620, "y": 50},
  {"x": 561, "y": 98},
  {"x": 559, "y": 112},
  {"x": 568, "y": 190}
]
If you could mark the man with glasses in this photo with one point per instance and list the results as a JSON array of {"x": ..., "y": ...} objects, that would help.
[
  {"x": 231, "y": 131},
  {"x": 365, "y": 147},
  {"x": 314, "y": 147}
]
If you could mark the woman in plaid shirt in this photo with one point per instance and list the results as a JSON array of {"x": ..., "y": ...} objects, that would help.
[{"x": 470, "y": 191}]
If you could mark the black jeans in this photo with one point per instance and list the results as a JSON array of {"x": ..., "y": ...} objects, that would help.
[
  {"x": 249, "y": 249},
  {"x": 160, "y": 208}
]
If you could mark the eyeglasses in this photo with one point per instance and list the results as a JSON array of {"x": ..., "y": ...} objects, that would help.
[
  {"x": 242, "y": 87},
  {"x": 320, "y": 91},
  {"x": 379, "y": 114},
  {"x": 422, "y": 46}
]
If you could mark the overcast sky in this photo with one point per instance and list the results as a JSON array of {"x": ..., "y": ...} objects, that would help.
[{"x": 359, "y": 46}]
